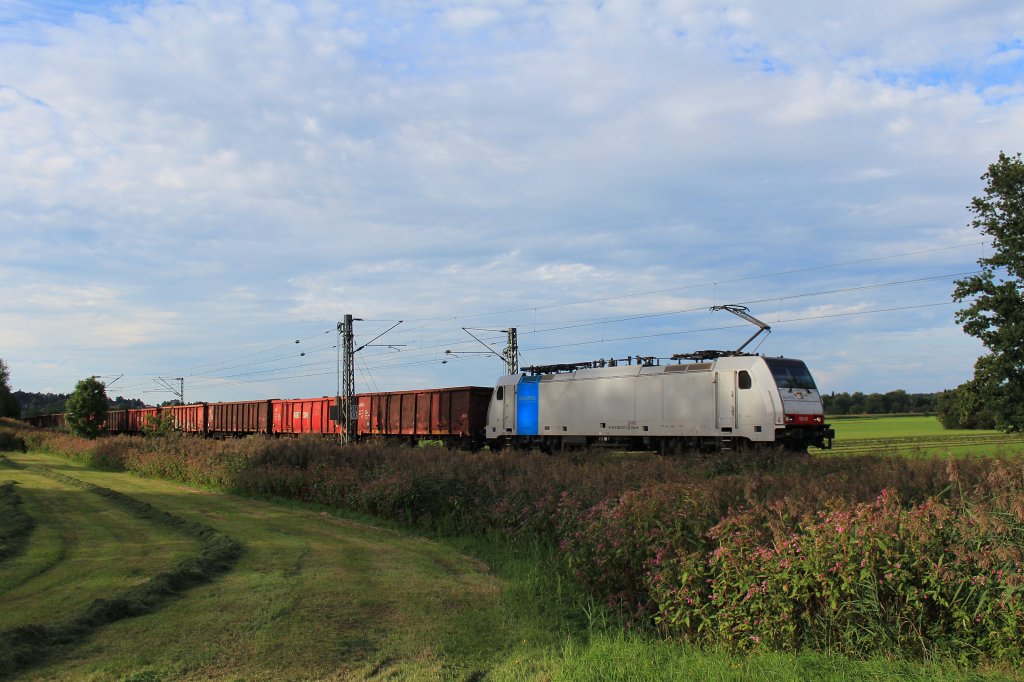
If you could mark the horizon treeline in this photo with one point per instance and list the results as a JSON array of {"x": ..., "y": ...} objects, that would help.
[
  {"x": 33, "y": 404},
  {"x": 893, "y": 402}
]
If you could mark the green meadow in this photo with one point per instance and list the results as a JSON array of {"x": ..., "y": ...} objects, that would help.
[{"x": 915, "y": 436}]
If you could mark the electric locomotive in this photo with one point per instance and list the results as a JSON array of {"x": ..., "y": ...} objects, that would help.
[
  {"x": 719, "y": 401},
  {"x": 724, "y": 403}
]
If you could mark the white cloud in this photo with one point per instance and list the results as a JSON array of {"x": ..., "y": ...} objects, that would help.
[{"x": 227, "y": 171}]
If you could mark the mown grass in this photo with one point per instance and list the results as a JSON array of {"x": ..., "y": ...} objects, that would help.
[
  {"x": 15, "y": 524},
  {"x": 89, "y": 549},
  {"x": 632, "y": 658},
  {"x": 314, "y": 597},
  {"x": 38, "y": 636}
]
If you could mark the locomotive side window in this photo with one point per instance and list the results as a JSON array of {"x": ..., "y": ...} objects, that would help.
[
  {"x": 744, "y": 379},
  {"x": 500, "y": 394},
  {"x": 790, "y": 373}
]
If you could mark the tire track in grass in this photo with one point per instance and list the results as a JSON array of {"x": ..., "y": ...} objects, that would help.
[
  {"x": 27, "y": 645},
  {"x": 83, "y": 548},
  {"x": 15, "y": 524},
  {"x": 47, "y": 550}
]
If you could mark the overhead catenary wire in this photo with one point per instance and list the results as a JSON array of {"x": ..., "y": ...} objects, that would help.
[
  {"x": 417, "y": 354},
  {"x": 638, "y": 337},
  {"x": 713, "y": 283},
  {"x": 628, "y": 318},
  {"x": 192, "y": 371},
  {"x": 603, "y": 321}
]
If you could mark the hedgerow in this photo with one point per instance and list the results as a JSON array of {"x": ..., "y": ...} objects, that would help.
[{"x": 867, "y": 578}]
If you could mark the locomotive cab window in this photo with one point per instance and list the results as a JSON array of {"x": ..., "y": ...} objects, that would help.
[
  {"x": 744, "y": 379},
  {"x": 500, "y": 393},
  {"x": 790, "y": 374}
]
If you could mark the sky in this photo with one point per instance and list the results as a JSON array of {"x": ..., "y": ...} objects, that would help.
[{"x": 204, "y": 189}]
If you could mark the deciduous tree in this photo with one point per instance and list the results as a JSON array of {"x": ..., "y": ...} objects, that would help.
[
  {"x": 86, "y": 410},
  {"x": 995, "y": 297},
  {"x": 8, "y": 403}
]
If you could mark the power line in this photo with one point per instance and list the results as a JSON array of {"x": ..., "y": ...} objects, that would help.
[
  {"x": 259, "y": 352},
  {"x": 420, "y": 363},
  {"x": 424, "y": 349},
  {"x": 634, "y": 294},
  {"x": 417, "y": 352},
  {"x": 604, "y": 321}
]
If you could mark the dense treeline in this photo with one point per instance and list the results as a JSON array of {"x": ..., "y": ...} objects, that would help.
[
  {"x": 52, "y": 403},
  {"x": 40, "y": 403},
  {"x": 893, "y": 402}
]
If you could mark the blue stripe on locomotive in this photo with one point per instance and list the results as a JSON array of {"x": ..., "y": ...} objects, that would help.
[{"x": 527, "y": 398}]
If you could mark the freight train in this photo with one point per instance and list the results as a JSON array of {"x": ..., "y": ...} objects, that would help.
[
  {"x": 706, "y": 401},
  {"x": 454, "y": 416},
  {"x": 720, "y": 403}
]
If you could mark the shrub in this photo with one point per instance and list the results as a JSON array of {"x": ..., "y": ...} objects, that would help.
[
  {"x": 869, "y": 578},
  {"x": 11, "y": 441}
]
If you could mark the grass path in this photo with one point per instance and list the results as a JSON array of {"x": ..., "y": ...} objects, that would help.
[
  {"x": 313, "y": 597},
  {"x": 83, "y": 548}
]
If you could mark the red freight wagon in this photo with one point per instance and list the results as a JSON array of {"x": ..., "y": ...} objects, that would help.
[
  {"x": 189, "y": 418},
  {"x": 238, "y": 418},
  {"x": 139, "y": 418},
  {"x": 304, "y": 415},
  {"x": 47, "y": 421},
  {"x": 117, "y": 421},
  {"x": 449, "y": 414}
]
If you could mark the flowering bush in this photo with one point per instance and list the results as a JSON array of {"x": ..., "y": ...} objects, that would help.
[
  {"x": 610, "y": 546},
  {"x": 870, "y": 578}
]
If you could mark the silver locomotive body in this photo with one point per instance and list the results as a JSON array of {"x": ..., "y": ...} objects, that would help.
[{"x": 723, "y": 404}]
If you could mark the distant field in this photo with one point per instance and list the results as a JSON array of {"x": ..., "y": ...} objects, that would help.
[{"x": 917, "y": 435}]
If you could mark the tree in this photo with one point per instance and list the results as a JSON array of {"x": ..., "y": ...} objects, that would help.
[
  {"x": 86, "y": 409},
  {"x": 963, "y": 408},
  {"x": 995, "y": 297},
  {"x": 159, "y": 425},
  {"x": 897, "y": 402},
  {"x": 9, "y": 406},
  {"x": 874, "y": 403}
]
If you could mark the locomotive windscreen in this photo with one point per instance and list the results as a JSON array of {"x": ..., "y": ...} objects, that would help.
[{"x": 790, "y": 373}]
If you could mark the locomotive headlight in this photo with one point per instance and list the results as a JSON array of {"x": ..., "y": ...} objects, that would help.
[
  {"x": 818, "y": 419},
  {"x": 789, "y": 419}
]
